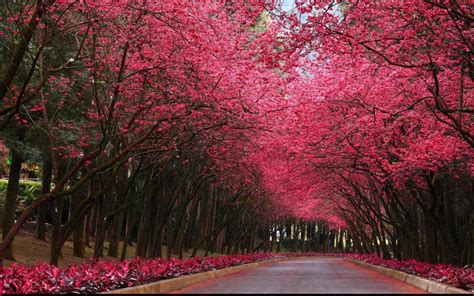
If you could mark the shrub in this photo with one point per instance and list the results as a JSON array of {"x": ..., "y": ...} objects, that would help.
[
  {"x": 444, "y": 273},
  {"x": 28, "y": 192},
  {"x": 101, "y": 276}
]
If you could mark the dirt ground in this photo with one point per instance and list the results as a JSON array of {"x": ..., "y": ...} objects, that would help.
[{"x": 30, "y": 251}]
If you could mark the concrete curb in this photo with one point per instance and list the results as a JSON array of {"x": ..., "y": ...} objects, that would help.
[
  {"x": 419, "y": 282},
  {"x": 181, "y": 282}
]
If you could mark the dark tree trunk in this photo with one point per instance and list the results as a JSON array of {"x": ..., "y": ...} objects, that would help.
[
  {"x": 203, "y": 224},
  {"x": 153, "y": 223},
  {"x": 55, "y": 246},
  {"x": 55, "y": 249},
  {"x": 78, "y": 239},
  {"x": 45, "y": 188},
  {"x": 143, "y": 229},
  {"x": 78, "y": 233},
  {"x": 87, "y": 229},
  {"x": 100, "y": 229},
  {"x": 11, "y": 196},
  {"x": 93, "y": 222},
  {"x": 128, "y": 232},
  {"x": 431, "y": 243},
  {"x": 191, "y": 227},
  {"x": 169, "y": 238},
  {"x": 114, "y": 242}
]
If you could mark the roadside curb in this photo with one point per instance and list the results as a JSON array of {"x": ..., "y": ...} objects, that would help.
[
  {"x": 419, "y": 282},
  {"x": 181, "y": 282}
]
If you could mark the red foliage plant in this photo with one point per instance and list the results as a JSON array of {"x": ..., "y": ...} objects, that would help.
[
  {"x": 101, "y": 276},
  {"x": 447, "y": 274}
]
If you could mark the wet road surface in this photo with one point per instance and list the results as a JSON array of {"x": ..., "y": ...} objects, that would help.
[{"x": 304, "y": 275}]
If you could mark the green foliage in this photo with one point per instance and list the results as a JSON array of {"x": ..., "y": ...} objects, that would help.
[
  {"x": 28, "y": 192},
  {"x": 262, "y": 22}
]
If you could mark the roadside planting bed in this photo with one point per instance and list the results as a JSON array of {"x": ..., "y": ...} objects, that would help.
[{"x": 101, "y": 276}]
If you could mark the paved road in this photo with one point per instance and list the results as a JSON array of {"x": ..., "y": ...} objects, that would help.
[{"x": 304, "y": 275}]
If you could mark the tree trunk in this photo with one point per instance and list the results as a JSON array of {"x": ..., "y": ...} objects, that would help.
[
  {"x": 169, "y": 238},
  {"x": 431, "y": 243},
  {"x": 78, "y": 240},
  {"x": 87, "y": 229},
  {"x": 114, "y": 242},
  {"x": 78, "y": 233},
  {"x": 93, "y": 222},
  {"x": 153, "y": 223},
  {"x": 100, "y": 229},
  {"x": 55, "y": 249},
  {"x": 128, "y": 232},
  {"x": 11, "y": 197},
  {"x": 303, "y": 235},
  {"x": 143, "y": 229},
  {"x": 203, "y": 226},
  {"x": 45, "y": 188},
  {"x": 191, "y": 226}
]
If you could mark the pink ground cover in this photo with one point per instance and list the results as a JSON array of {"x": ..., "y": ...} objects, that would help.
[
  {"x": 101, "y": 276},
  {"x": 443, "y": 273}
]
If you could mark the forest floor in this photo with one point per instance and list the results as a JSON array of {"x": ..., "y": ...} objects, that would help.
[{"x": 30, "y": 251}]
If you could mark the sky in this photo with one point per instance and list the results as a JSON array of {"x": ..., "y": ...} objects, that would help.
[{"x": 287, "y": 4}]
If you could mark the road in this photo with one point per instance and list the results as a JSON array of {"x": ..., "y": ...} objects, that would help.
[{"x": 304, "y": 275}]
